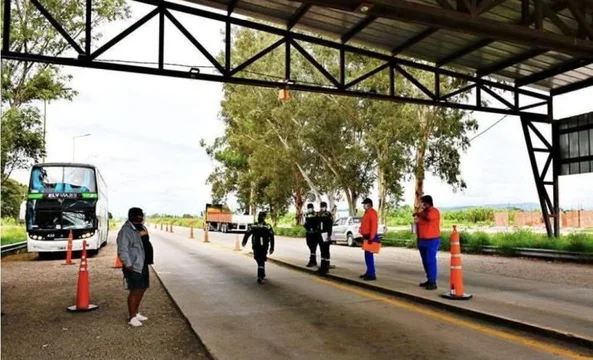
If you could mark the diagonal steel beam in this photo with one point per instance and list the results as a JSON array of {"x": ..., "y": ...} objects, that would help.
[
  {"x": 57, "y": 26},
  {"x": 414, "y": 81},
  {"x": 298, "y": 14},
  {"x": 316, "y": 64},
  {"x": 124, "y": 33},
  {"x": 368, "y": 75},
  {"x": 257, "y": 56},
  {"x": 195, "y": 42},
  {"x": 358, "y": 27}
]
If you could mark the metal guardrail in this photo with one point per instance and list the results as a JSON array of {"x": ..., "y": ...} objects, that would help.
[
  {"x": 543, "y": 254},
  {"x": 13, "y": 248}
]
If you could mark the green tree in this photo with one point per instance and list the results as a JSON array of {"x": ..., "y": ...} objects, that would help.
[
  {"x": 441, "y": 135},
  {"x": 13, "y": 194},
  {"x": 24, "y": 83}
]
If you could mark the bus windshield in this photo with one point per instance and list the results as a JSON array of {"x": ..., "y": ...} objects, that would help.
[{"x": 62, "y": 179}]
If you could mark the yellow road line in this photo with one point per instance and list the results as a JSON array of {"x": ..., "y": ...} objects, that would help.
[
  {"x": 450, "y": 319},
  {"x": 467, "y": 324}
]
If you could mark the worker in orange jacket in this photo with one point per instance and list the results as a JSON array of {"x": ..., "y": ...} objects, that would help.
[{"x": 368, "y": 229}]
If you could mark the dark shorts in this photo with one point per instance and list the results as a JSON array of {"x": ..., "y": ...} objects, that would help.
[{"x": 137, "y": 281}]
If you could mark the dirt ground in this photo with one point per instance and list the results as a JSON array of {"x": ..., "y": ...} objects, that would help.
[{"x": 36, "y": 325}]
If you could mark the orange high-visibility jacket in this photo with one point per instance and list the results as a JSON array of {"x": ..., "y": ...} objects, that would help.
[
  {"x": 429, "y": 228},
  {"x": 370, "y": 224}
]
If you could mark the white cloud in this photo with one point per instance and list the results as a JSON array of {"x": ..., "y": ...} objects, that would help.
[{"x": 146, "y": 132}]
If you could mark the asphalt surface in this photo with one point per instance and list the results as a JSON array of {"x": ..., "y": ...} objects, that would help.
[
  {"x": 299, "y": 316},
  {"x": 546, "y": 294}
]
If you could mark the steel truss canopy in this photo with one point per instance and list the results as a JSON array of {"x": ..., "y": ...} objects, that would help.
[
  {"x": 547, "y": 44},
  {"x": 542, "y": 44},
  {"x": 504, "y": 50}
]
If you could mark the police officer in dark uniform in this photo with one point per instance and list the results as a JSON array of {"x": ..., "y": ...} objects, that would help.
[
  {"x": 326, "y": 223},
  {"x": 313, "y": 235},
  {"x": 263, "y": 239}
]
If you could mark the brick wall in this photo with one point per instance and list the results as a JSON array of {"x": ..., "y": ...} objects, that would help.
[{"x": 570, "y": 219}]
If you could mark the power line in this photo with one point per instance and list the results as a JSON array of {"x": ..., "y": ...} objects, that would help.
[{"x": 490, "y": 127}]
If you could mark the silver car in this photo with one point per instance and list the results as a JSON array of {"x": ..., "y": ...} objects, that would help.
[{"x": 345, "y": 230}]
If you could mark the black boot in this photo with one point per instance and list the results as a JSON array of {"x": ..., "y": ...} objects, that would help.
[
  {"x": 312, "y": 261},
  {"x": 261, "y": 274},
  {"x": 324, "y": 268}
]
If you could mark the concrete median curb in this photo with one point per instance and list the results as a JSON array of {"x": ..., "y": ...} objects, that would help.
[{"x": 453, "y": 307}]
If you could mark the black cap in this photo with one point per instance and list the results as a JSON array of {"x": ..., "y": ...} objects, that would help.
[
  {"x": 310, "y": 206},
  {"x": 323, "y": 204},
  {"x": 367, "y": 201},
  {"x": 135, "y": 212},
  {"x": 262, "y": 215}
]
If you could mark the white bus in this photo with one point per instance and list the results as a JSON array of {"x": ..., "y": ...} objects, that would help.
[{"x": 65, "y": 197}]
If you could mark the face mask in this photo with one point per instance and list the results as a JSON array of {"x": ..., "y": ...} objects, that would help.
[
  {"x": 310, "y": 211},
  {"x": 323, "y": 209}
]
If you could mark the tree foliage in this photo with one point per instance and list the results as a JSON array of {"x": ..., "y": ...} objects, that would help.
[
  {"x": 13, "y": 194},
  {"x": 26, "y": 84},
  {"x": 318, "y": 146}
]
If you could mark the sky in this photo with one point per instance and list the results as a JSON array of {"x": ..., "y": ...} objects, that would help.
[{"x": 146, "y": 131}]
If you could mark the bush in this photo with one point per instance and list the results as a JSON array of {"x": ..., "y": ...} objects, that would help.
[{"x": 294, "y": 231}]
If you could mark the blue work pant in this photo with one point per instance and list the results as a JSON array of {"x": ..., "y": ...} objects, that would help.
[
  {"x": 369, "y": 260},
  {"x": 428, "y": 251}
]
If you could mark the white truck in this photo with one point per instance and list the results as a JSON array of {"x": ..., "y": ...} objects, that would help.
[
  {"x": 345, "y": 230},
  {"x": 219, "y": 219}
]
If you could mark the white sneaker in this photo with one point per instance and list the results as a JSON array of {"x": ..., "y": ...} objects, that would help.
[
  {"x": 135, "y": 322},
  {"x": 141, "y": 317}
]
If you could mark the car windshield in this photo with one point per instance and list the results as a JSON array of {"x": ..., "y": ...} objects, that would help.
[{"x": 62, "y": 179}]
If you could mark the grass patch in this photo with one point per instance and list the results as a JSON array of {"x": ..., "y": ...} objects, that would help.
[
  {"x": 13, "y": 234},
  {"x": 473, "y": 242}
]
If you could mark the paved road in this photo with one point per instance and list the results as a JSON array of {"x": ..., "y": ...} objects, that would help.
[
  {"x": 298, "y": 316},
  {"x": 512, "y": 288}
]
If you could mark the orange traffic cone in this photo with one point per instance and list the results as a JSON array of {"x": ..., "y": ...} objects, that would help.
[
  {"x": 456, "y": 292},
  {"x": 83, "y": 292},
  {"x": 69, "y": 250},
  {"x": 118, "y": 264},
  {"x": 191, "y": 232},
  {"x": 206, "y": 234},
  {"x": 237, "y": 244}
]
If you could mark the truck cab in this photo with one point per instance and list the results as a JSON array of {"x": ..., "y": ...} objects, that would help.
[{"x": 345, "y": 230}]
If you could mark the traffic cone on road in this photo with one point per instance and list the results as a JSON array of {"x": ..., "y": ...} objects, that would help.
[
  {"x": 237, "y": 244},
  {"x": 118, "y": 264},
  {"x": 83, "y": 292},
  {"x": 456, "y": 276},
  {"x": 69, "y": 250},
  {"x": 191, "y": 232}
]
